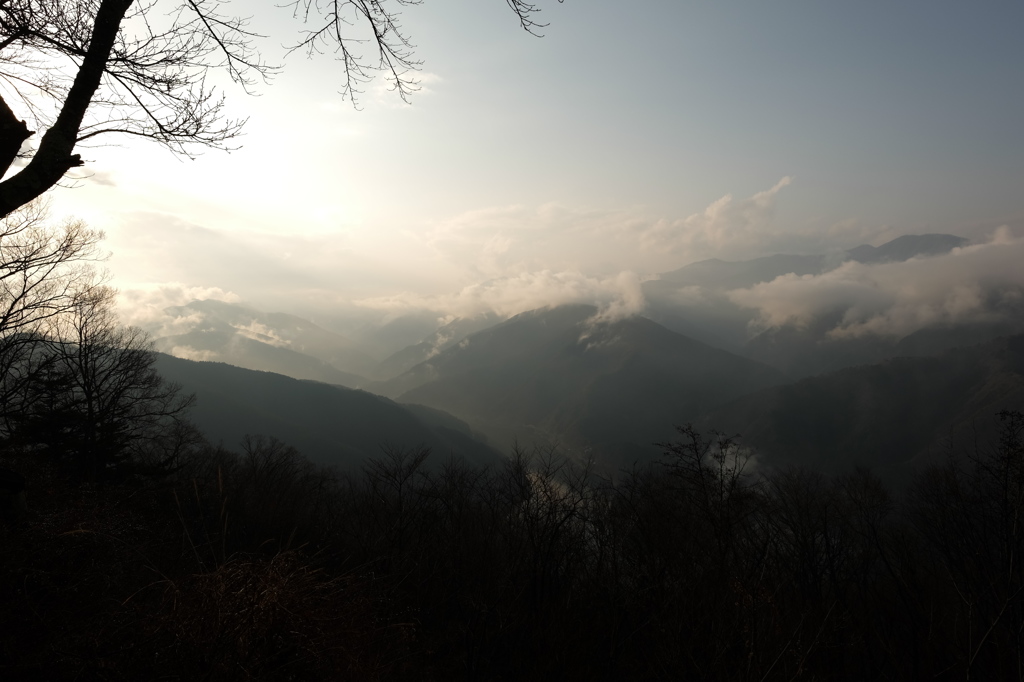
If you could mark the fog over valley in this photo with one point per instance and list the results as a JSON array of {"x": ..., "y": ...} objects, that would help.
[
  {"x": 527, "y": 340},
  {"x": 611, "y": 377}
]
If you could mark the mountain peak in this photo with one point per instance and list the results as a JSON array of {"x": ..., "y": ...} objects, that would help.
[
  {"x": 243, "y": 336},
  {"x": 906, "y": 247}
]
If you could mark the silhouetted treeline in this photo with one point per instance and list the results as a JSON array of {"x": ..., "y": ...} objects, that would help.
[{"x": 260, "y": 565}]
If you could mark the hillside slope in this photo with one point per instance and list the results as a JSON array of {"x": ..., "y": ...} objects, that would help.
[
  {"x": 553, "y": 376},
  {"x": 893, "y": 416},
  {"x": 329, "y": 424},
  {"x": 278, "y": 342},
  {"x": 694, "y": 300}
]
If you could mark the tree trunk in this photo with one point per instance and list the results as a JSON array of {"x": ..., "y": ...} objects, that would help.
[
  {"x": 55, "y": 154},
  {"x": 12, "y": 134}
]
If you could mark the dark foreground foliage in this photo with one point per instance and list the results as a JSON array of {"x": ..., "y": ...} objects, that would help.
[{"x": 260, "y": 566}]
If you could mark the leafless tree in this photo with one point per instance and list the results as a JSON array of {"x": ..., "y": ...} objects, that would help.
[
  {"x": 107, "y": 402},
  {"x": 971, "y": 517},
  {"x": 83, "y": 68},
  {"x": 44, "y": 268}
]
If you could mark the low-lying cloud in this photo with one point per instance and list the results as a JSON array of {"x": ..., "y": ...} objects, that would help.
[
  {"x": 497, "y": 240},
  {"x": 502, "y": 259},
  {"x": 197, "y": 355},
  {"x": 617, "y": 296},
  {"x": 144, "y": 306},
  {"x": 720, "y": 228},
  {"x": 982, "y": 283}
]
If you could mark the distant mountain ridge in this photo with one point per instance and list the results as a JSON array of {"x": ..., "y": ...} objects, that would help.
[
  {"x": 279, "y": 342},
  {"x": 554, "y": 375},
  {"x": 329, "y": 424},
  {"x": 290, "y": 345},
  {"x": 226, "y": 346},
  {"x": 891, "y": 416},
  {"x": 612, "y": 388},
  {"x": 907, "y": 247},
  {"x": 440, "y": 340},
  {"x": 720, "y": 274},
  {"x": 691, "y": 301},
  {"x": 694, "y": 300}
]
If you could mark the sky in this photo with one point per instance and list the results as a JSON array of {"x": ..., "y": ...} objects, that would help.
[{"x": 631, "y": 139}]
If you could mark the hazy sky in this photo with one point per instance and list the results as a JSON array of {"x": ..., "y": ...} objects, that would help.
[{"x": 632, "y": 139}]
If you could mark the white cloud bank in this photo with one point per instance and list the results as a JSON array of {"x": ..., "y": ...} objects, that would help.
[
  {"x": 144, "y": 306},
  {"x": 617, "y": 296},
  {"x": 981, "y": 283},
  {"x": 501, "y": 259},
  {"x": 517, "y": 258},
  {"x": 497, "y": 240},
  {"x": 723, "y": 227}
]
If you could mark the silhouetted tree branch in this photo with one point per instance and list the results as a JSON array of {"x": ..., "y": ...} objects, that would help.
[
  {"x": 84, "y": 68},
  {"x": 114, "y": 403},
  {"x": 44, "y": 268}
]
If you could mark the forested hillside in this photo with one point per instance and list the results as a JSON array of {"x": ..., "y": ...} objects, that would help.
[
  {"x": 331, "y": 425},
  {"x": 269, "y": 528},
  {"x": 561, "y": 375},
  {"x": 263, "y": 566},
  {"x": 895, "y": 417}
]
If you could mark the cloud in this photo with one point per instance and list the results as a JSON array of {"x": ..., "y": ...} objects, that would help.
[
  {"x": 273, "y": 269},
  {"x": 498, "y": 241},
  {"x": 722, "y": 226},
  {"x": 144, "y": 306},
  {"x": 258, "y": 331},
  {"x": 504, "y": 259},
  {"x": 627, "y": 299},
  {"x": 190, "y": 353},
  {"x": 616, "y": 297},
  {"x": 982, "y": 283},
  {"x": 502, "y": 240},
  {"x": 515, "y": 258}
]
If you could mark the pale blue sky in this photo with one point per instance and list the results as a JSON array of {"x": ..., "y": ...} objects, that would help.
[{"x": 594, "y": 150}]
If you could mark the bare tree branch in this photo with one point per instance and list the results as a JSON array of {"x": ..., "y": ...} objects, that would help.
[{"x": 83, "y": 68}]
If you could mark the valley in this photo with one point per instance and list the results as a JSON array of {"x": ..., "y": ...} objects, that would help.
[{"x": 608, "y": 389}]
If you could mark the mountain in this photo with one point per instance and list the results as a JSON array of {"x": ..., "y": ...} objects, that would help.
[
  {"x": 391, "y": 336},
  {"x": 720, "y": 274},
  {"x": 236, "y": 334},
  {"x": 906, "y": 247},
  {"x": 517, "y": 337},
  {"x": 893, "y": 416},
  {"x": 219, "y": 344},
  {"x": 693, "y": 300},
  {"x": 802, "y": 352},
  {"x": 329, "y": 424},
  {"x": 442, "y": 339},
  {"x": 556, "y": 376}
]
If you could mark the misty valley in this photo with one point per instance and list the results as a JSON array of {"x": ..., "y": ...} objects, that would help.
[
  {"x": 540, "y": 340},
  {"x": 603, "y": 387},
  {"x": 680, "y": 491}
]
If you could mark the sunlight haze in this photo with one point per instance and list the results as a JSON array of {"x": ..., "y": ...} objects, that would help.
[{"x": 629, "y": 139}]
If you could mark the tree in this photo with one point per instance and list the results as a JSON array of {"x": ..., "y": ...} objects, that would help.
[
  {"x": 971, "y": 517},
  {"x": 84, "y": 68},
  {"x": 103, "y": 404},
  {"x": 44, "y": 269}
]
